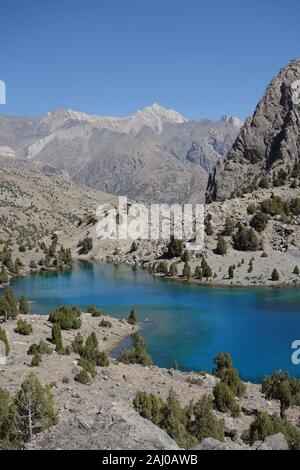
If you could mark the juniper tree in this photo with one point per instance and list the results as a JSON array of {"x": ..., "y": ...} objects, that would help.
[
  {"x": 3, "y": 338},
  {"x": 149, "y": 406},
  {"x": 280, "y": 386},
  {"x": 202, "y": 421},
  {"x": 173, "y": 271},
  {"x": 137, "y": 354},
  {"x": 12, "y": 303},
  {"x": 35, "y": 408},
  {"x": 187, "y": 273},
  {"x": 132, "y": 319},
  {"x": 23, "y": 305},
  {"x": 221, "y": 248},
  {"x": 229, "y": 226},
  {"x": 175, "y": 248},
  {"x": 7, "y": 420},
  {"x": 228, "y": 374},
  {"x": 198, "y": 273},
  {"x": 224, "y": 399},
  {"x": 57, "y": 337}
]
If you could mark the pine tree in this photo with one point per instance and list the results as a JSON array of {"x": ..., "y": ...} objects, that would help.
[
  {"x": 132, "y": 319},
  {"x": 230, "y": 272}
]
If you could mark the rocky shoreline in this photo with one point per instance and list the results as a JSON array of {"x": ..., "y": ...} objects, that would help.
[{"x": 101, "y": 415}]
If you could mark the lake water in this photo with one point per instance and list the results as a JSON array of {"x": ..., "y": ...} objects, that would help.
[{"x": 187, "y": 322}]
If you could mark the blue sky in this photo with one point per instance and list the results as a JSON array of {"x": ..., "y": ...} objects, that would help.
[{"x": 202, "y": 58}]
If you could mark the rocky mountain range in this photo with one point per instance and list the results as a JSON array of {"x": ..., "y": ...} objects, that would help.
[
  {"x": 268, "y": 146},
  {"x": 155, "y": 155}
]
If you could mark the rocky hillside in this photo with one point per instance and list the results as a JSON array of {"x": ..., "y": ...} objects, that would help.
[
  {"x": 267, "y": 149},
  {"x": 155, "y": 155},
  {"x": 36, "y": 200}
]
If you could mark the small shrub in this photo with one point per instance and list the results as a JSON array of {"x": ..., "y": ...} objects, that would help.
[
  {"x": 23, "y": 328},
  {"x": 105, "y": 323},
  {"x": 96, "y": 312},
  {"x": 36, "y": 360},
  {"x": 83, "y": 377},
  {"x": 259, "y": 221},
  {"x": 68, "y": 317}
]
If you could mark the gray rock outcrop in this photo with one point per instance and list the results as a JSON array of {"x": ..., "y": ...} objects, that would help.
[
  {"x": 275, "y": 442},
  {"x": 117, "y": 427},
  {"x": 269, "y": 140}
]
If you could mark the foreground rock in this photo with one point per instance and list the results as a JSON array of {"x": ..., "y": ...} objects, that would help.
[
  {"x": 276, "y": 442},
  {"x": 212, "y": 444},
  {"x": 115, "y": 427}
]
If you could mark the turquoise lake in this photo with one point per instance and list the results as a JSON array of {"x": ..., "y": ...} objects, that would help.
[{"x": 187, "y": 322}]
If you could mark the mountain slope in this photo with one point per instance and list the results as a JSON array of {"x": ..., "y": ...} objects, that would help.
[
  {"x": 268, "y": 143},
  {"x": 36, "y": 201}
]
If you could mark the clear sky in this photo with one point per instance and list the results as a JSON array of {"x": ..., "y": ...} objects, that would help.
[{"x": 202, "y": 58}]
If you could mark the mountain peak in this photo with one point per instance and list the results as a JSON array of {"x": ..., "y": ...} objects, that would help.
[{"x": 158, "y": 112}]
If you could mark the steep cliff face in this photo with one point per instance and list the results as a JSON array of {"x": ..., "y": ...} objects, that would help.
[{"x": 268, "y": 141}]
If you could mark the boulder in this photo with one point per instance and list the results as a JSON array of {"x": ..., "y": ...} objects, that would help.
[
  {"x": 212, "y": 444},
  {"x": 275, "y": 442}
]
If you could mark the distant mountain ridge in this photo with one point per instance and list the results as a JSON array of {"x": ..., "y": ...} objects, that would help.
[{"x": 155, "y": 155}]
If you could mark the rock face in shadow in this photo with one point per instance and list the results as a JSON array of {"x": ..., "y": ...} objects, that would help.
[
  {"x": 268, "y": 141},
  {"x": 117, "y": 427}
]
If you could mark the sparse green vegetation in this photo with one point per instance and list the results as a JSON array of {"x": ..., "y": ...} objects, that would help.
[
  {"x": 23, "y": 328},
  {"x": 187, "y": 426},
  {"x": 3, "y": 337},
  {"x": 221, "y": 248},
  {"x": 68, "y": 317},
  {"x": 246, "y": 240},
  {"x": 265, "y": 425},
  {"x": 137, "y": 354},
  {"x": 275, "y": 275}
]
